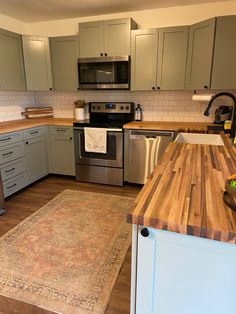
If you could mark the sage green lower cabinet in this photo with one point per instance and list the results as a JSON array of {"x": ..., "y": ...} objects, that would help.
[
  {"x": 172, "y": 54},
  {"x": 144, "y": 59},
  {"x": 37, "y": 63},
  {"x": 12, "y": 162},
  {"x": 12, "y": 75},
  {"x": 35, "y": 154},
  {"x": 64, "y": 54},
  {"x": 61, "y": 150},
  {"x": 224, "y": 62},
  {"x": 200, "y": 55}
]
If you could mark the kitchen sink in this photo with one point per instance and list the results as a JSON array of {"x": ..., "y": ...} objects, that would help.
[{"x": 195, "y": 138}]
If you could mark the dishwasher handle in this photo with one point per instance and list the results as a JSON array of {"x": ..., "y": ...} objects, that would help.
[{"x": 146, "y": 134}]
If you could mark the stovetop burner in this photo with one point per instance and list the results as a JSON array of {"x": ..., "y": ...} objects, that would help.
[{"x": 108, "y": 115}]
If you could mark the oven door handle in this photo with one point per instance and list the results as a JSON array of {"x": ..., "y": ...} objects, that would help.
[{"x": 108, "y": 130}]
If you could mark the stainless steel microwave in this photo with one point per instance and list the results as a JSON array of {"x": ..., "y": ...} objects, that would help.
[{"x": 104, "y": 73}]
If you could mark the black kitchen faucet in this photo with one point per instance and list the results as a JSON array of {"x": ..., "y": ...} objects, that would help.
[{"x": 208, "y": 109}]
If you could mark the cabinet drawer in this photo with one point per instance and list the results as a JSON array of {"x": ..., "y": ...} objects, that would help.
[
  {"x": 34, "y": 132},
  {"x": 11, "y": 152},
  {"x": 61, "y": 132},
  {"x": 10, "y": 138},
  {"x": 13, "y": 169},
  {"x": 13, "y": 185}
]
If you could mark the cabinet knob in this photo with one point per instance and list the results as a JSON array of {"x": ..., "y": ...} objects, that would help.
[
  {"x": 158, "y": 87},
  {"x": 105, "y": 54},
  {"x": 26, "y": 142},
  {"x": 145, "y": 232},
  {"x": 50, "y": 88},
  {"x": 205, "y": 86},
  {"x": 153, "y": 87},
  {"x": 101, "y": 54},
  {"x": 78, "y": 88},
  {"x": 70, "y": 138}
]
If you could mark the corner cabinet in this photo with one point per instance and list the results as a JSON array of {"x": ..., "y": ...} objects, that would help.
[
  {"x": 64, "y": 54},
  {"x": 200, "y": 55},
  {"x": 12, "y": 75},
  {"x": 37, "y": 63},
  {"x": 61, "y": 150},
  {"x": 158, "y": 58},
  {"x": 105, "y": 38},
  {"x": 224, "y": 62},
  {"x": 35, "y": 145}
]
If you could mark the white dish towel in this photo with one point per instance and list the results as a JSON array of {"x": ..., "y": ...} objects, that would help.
[{"x": 95, "y": 140}]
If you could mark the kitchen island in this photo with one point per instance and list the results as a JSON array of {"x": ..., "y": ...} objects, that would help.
[{"x": 184, "y": 236}]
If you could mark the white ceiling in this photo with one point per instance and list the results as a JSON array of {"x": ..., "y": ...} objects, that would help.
[{"x": 35, "y": 11}]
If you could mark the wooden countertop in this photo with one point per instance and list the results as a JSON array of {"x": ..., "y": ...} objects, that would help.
[
  {"x": 17, "y": 125},
  {"x": 175, "y": 126},
  {"x": 185, "y": 192}
]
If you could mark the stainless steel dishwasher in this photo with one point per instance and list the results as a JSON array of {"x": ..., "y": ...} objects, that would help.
[{"x": 145, "y": 148}]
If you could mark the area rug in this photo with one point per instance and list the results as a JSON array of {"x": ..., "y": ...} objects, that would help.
[{"x": 66, "y": 256}]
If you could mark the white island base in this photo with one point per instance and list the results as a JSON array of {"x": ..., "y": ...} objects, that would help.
[{"x": 174, "y": 273}]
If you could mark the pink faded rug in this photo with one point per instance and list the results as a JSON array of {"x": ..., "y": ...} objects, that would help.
[{"x": 66, "y": 257}]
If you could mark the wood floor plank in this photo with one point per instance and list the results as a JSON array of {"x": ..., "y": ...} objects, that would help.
[{"x": 26, "y": 202}]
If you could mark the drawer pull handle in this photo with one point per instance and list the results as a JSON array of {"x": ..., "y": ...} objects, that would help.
[
  {"x": 5, "y": 139},
  {"x": 34, "y": 132},
  {"x": 61, "y": 130},
  {"x": 6, "y": 154},
  {"x": 6, "y": 171},
  {"x": 11, "y": 186}
]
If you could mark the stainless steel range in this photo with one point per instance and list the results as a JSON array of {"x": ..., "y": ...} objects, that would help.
[{"x": 106, "y": 167}]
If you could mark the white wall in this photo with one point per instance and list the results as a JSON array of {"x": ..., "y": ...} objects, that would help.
[
  {"x": 13, "y": 25},
  {"x": 182, "y": 15}
]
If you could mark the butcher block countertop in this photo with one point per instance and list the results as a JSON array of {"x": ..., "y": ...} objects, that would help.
[
  {"x": 185, "y": 192},
  {"x": 17, "y": 125},
  {"x": 165, "y": 125}
]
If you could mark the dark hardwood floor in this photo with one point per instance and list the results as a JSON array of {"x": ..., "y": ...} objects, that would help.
[{"x": 29, "y": 200}]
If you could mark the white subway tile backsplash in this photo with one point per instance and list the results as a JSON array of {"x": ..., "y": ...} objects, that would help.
[{"x": 156, "y": 105}]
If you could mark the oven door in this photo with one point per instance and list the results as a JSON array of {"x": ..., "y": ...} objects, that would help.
[{"x": 113, "y": 157}]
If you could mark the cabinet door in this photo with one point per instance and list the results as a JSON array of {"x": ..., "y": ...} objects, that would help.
[
  {"x": 143, "y": 59},
  {"x": 36, "y": 158},
  {"x": 172, "y": 53},
  {"x": 11, "y": 62},
  {"x": 61, "y": 151},
  {"x": 200, "y": 54},
  {"x": 64, "y": 63},
  {"x": 37, "y": 63},
  {"x": 91, "y": 39},
  {"x": 224, "y": 62},
  {"x": 117, "y": 37}
]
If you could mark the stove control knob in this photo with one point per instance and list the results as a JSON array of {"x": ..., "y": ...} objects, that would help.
[
  {"x": 122, "y": 107},
  {"x": 98, "y": 107},
  {"x": 93, "y": 107},
  {"x": 127, "y": 107}
]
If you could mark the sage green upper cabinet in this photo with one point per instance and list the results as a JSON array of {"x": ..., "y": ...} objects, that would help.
[
  {"x": 200, "y": 55},
  {"x": 11, "y": 62},
  {"x": 64, "y": 54},
  {"x": 143, "y": 59},
  {"x": 224, "y": 62},
  {"x": 172, "y": 54},
  {"x": 158, "y": 58},
  {"x": 37, "y": 62},
  {"x": 105, "y": 38}
]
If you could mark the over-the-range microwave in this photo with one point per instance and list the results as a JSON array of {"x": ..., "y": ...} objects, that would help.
[{"x": 104, "y": 73}]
